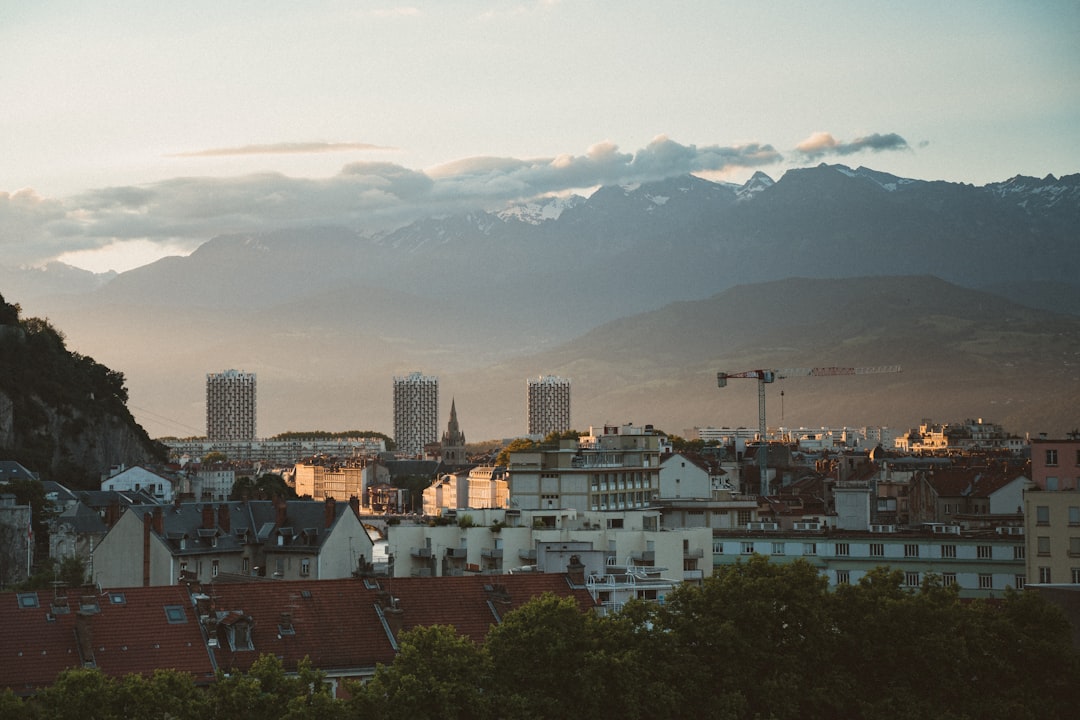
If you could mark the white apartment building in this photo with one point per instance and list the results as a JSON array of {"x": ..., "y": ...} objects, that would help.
[
  {"x": 623, "y": 554},
  {"x": 416, "y": 412},
  {"x": 230, "y": 406},
  {"x": 548, "y": 405}
]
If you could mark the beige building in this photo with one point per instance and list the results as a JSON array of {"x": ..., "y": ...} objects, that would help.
[
  {"x": 482, "y": 487},
  {"x": 337, "y": 479},
  {"x": 1052, "y": 530}
]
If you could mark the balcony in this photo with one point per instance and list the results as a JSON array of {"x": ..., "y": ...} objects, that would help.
[
  {"x": 492, "y": 553},
  {"x": 692, "y": 553},
  {"x": 457, "y": 552},
  {"x": 420, "y": 552},
  {"x": 527, "y": 555},
  {"x": 644, "y": 556}
]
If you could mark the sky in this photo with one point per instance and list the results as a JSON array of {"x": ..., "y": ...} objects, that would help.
[{"x": 133, "y": 130}]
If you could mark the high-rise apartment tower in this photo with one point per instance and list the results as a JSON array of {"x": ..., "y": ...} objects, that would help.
[
  {"x": 549, "y": 405},
  {"x": 416, "y": 412},
  {"x": 230, "y": 406}
]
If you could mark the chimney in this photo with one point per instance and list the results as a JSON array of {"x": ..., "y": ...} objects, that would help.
[
  {"x": 112, "y": 513},
  {"x": 354, "y": 503},
  {"x": 391, "y": 611},
  {"x": 575, "y": 571},
  {"x": 159, "y": 521},
  {"x": 281, "y": 516},
  {"x": 223, "y": 517},
  {"x": 330, "y": 511},
  {"x": 208, "y": 516}
]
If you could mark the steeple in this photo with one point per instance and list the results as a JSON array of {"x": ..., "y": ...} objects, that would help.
[{"x": 453, "y": 440}]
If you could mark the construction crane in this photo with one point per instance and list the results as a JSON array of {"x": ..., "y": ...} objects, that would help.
[{"x": 768, "y": 376}]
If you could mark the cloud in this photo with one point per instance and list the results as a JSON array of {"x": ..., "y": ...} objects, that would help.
[
  {"x": 821, "y": 144},
  {"x": 367, "y": 196},
  {"x": 288, "y": 148}
]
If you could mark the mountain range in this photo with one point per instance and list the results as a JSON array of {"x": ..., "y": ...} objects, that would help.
[{"x": 638, "y": 293}]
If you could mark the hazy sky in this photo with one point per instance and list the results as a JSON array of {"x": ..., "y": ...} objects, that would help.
[{"x": 130, "y": 129}]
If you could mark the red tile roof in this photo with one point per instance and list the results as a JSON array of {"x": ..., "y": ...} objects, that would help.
[
  {"x": 123, "y": 632},
  {"x": 339, "y": 624}
]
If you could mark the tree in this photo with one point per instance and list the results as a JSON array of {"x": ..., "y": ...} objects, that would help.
[
  {"x": 214, "y": 456},
  {"x": 542, "y": 662},
  {"x": 515, "y": 445},
  {"x": 436, "y": 674}
]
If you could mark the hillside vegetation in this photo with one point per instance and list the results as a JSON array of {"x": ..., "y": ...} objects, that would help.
[{"x": 62, "y": 414}]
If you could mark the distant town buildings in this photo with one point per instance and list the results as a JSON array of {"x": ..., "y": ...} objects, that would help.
[
  {"x": 230, "y": 406},
  {"x": 549, "y": 405},
  {"x": 416, "y": 412}
]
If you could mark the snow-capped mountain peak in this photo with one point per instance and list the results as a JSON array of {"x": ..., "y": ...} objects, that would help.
[{"x": 540, "y": 211}]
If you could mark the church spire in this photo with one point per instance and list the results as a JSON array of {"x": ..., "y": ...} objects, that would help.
[{"x": 453, "y": 440}]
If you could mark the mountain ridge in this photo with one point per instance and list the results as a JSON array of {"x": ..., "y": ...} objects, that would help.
[{"x": 458, "y": 294}]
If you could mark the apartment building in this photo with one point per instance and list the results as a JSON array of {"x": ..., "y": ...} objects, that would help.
[
  {"x": 613, "y": 468},
  {"x": 981, "y": 564},
  {"x": 416, "y": 412},
  {"x": 548, "y": 399},
  {"x": 622, "y": 555},
  {"x": 1052, "y": 511},
  {"x": 230, "y": 406}
]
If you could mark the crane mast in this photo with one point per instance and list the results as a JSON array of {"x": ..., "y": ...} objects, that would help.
[{"x": 767, "y": 376}]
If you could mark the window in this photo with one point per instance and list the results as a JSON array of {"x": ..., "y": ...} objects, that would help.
[
  {"x": 1051, "y": 457},
  {"x": 744, "y": 517},
  {"x": 1019, "y": 581},
  {"x": 985, "y": 552},
  {"x": 305, "y": 567},
  {"x": 718, "y": 547},
  {"x": 748, "y": 548},
  {"x": 1074, "y": 546},
  {"x": 911, "y": 579},
  {"x": 911, "y": 550},
  {"x": 1044, "y": 574},
  {"x": 843, "y": 577},
  {"x": 175, "y": 614},
  {"x": 948, "y": 579},
  {"x": 214, "y": 568},
  {"x": 1074, "y": 515},
  {"x": 1076, "y": 576},
  {"x": 877, "y": 550},
  {"x": 948, "y": 551},
  {"x": 809, "y": 548},
  {"x": 28, "y": 600},
  {"x": 1018, "y": 552},
  {"x": 117, "y": 598},
  {"x": 843, "y": 549},
  {"x": 778, "y": 548},
  {"x": 1042, "y": 514},
  {"x": 948, "y": 508},
  {"x": 1043, "y": 545},
  {"x": 986, "y": 581}
]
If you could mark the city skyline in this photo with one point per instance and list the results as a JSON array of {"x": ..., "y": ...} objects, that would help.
[{"x": 133, "y": 133}]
